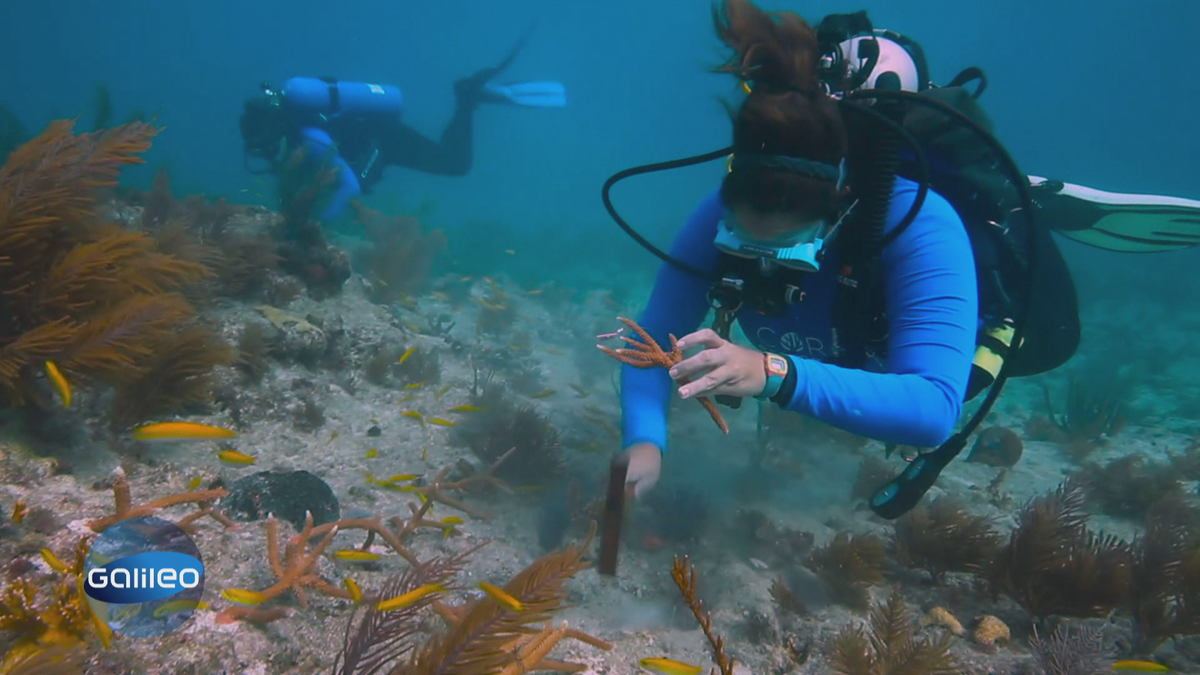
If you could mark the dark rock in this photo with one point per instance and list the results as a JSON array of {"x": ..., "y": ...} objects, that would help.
[
  {"x": 287, "y": 494},
  {"x": 374, "y": 432}
]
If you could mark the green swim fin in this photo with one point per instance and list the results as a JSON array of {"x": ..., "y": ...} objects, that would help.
[
  {"x": 1117, "y": 222},
  {"x": 527, "y": 94}
]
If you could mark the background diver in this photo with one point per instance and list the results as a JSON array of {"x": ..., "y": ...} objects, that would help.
[
  {"x": 358, "y": 127},
  {"x": 780, "y": 234}
]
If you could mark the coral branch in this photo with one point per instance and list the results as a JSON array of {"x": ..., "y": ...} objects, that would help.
[
  {"x": 647, "y": 353},
  {"x": 685, "y": 578},
  {"x": 126, "y": 509}
]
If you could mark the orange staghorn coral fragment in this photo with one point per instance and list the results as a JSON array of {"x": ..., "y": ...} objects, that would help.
[
  {"x": 646, "y": 353},
  {"x": 125, "y": 508}
]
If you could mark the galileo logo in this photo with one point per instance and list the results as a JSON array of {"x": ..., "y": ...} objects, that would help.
[{"x": 143, "y": 577}]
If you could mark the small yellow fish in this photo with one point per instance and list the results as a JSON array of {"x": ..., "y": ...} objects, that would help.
[
  {"x": 441, "y": 422},
  {"x": 545, "y": 393},
  {"x": 19, "y": 511},
  {"x": 354, "y": 589},
  {"x": 402, "y": 477},
  {"x": 54, "y": 562},
  {"x": 424, "y": 455},
  {"x": 235, "y": 458},
  {"x": 499, "y": 595},
  {"x": 669, "y": 666},
  {"x": 402, "y": 601},
  {"x": 195, "y": 482},
  {"x": 243, "y": 597},
  {"x": 372, "y": 452},
  {"x": 181, "y": 605},
  {"x": 1140, "y": 666},
  {"x": 60, "y": 383},
  {"x": 332, "y": 436},
  {"x": 452, "y": 520},
  {"x": 414, "y": 415},
  {"x": 407, "y": 353},
  {"x": 414, "y": 385},
  {"x": 181, "y": 431},
  {"x": 466, "y": 409},
  {"x": 356, "y": 555},
  {"x": 412, "y": 327},
  {"x": 510, "y": 251},
  {"x": 442, "y": 392}
]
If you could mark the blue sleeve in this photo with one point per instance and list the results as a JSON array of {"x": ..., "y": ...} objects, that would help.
[
  {"x": 678, "y": 303},
  {"x": 320, "y": 147},
  {"x": 932, "y": 308}
]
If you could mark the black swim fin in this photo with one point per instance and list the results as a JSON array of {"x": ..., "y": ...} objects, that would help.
[{"x": 1117, "y": 222}]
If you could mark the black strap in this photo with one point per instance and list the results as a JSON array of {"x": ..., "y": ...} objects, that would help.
[
  {"x": 970, "y": 75},
  {"x": 335, "y": 97}
]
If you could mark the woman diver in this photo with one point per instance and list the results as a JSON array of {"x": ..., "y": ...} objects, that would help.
[{"x": 789, "y": 207}]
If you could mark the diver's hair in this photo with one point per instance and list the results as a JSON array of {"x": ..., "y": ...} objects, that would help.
[{"x": 786, "y": 113}]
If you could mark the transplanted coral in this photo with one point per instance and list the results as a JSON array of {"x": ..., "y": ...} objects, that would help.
[
  {"x": 526, "y": 440},
  {"x": 944, "y": 537},
  {"x": 1054, "y": 564},
  {"x": 848, "y": 565},
  {"x": 889, "y": 646}
]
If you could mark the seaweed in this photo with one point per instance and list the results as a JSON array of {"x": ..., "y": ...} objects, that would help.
[
  {"x": 1053, "y": 564},
  {"x": 90, "y": 297},
  {"x": 401, "y": 254},
  {"x": 943, "y": 537},
  {"x": 488, "y": 637},
  {"x": 786, "y": 599},
  {"x": 382, "y": 638},
  {"x": 50, "y": 613},
  {"x": 521, "y": 433},
  {"x": 1164, "y": 597},
  {"x": 684, "y": 576},
  {"x": 890, "y": 645},
  {"x": 1128, "y": 486},
  {"x": 253, "y": 348},
  {"x": 1071, "y": 652},
  {"x": 872, "y": 472},
  {"x": 1094, "y": 411},
  {"x": 848, "y": 565},
  {"x": 175, "y": 378}
]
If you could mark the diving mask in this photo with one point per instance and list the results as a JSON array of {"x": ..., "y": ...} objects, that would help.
[{"x": 803, "y": 256}]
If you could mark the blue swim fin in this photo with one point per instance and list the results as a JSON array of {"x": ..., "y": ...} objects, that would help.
[{"x": 527, "y": 94}]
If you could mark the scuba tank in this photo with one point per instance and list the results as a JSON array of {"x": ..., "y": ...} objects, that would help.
[{"x": 329, "y": 98}]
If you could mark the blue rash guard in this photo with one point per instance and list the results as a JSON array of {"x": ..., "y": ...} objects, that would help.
[
  {"x": 321, "y": 147},
  {"x": 915, "y": 398}
]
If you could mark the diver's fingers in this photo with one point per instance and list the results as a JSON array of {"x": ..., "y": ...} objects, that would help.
[
  {"x": 696, "y": 366},
  {"x": 705, "y": 337},
  {"x": 719, "y": 377}
]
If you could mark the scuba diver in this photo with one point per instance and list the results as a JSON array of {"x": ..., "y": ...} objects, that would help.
[
  {"x": 357, "y": 127},
  {"x": 881, "y": 250}
]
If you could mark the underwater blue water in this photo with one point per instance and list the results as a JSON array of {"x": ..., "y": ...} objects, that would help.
[{"x": 1101, "y": 93}]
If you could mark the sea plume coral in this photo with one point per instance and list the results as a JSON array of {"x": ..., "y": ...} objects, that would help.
[{"x": 86, "y": 295}]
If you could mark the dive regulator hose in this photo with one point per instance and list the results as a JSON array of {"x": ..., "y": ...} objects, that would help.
[{"x": 899, "y": 495}]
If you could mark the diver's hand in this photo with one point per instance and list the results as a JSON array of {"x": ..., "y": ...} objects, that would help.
[
  {"x": 645, "y": 465},
  {"x": 723, "y": 368}
]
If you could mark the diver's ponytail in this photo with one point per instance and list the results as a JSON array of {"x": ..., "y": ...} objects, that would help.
[{"x": 787, "y": 112}]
